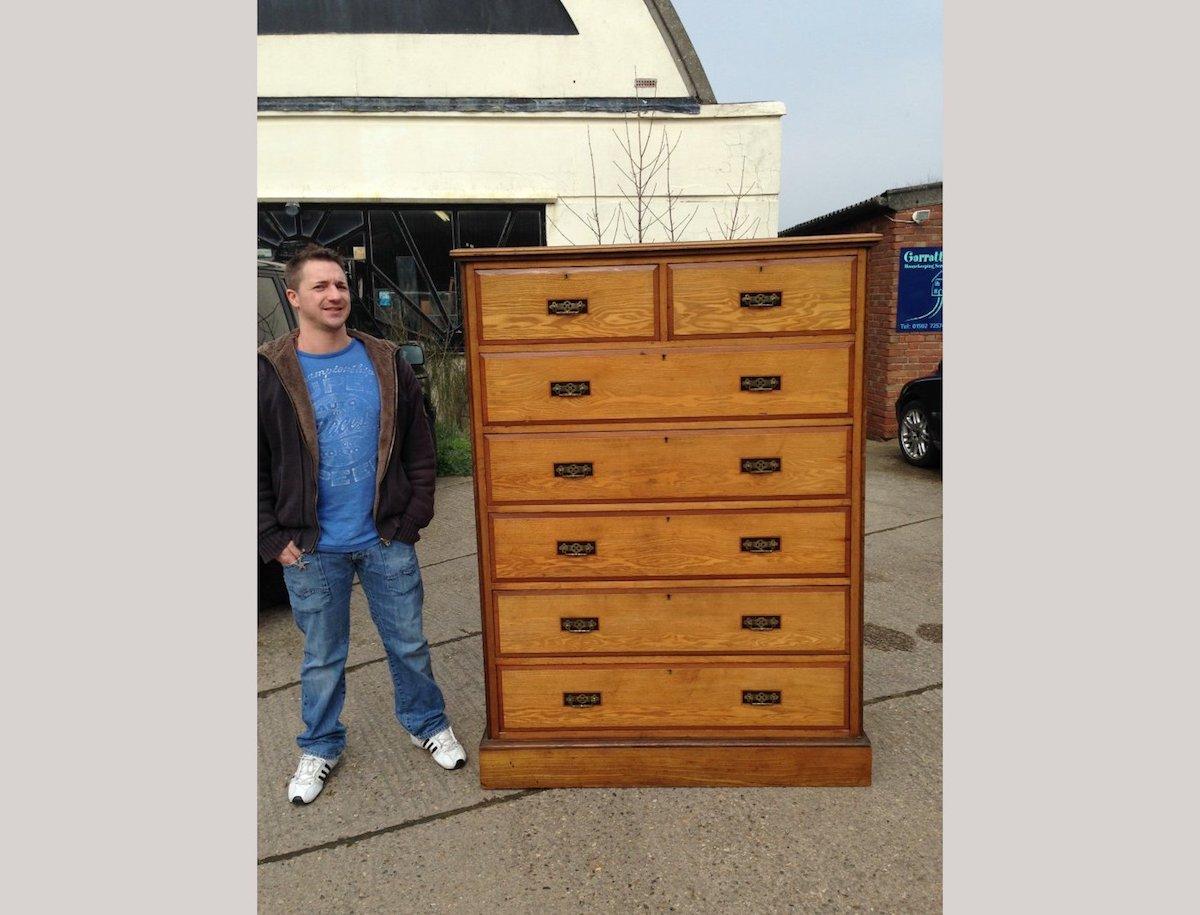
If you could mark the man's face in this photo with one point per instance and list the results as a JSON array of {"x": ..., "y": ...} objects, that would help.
[{"x": 323, "y": 297}]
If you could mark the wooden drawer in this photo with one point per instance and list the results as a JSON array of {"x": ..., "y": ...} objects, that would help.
[
  {"x": 700, "y": 383},
  {"x": 662, "y": 622},
  {"x": 630, "y": 466},
  {"x": 687, "y": 695},
  {"x": 778, "y": 297},
  {"x": 568, "y": 303},
  {"x": 684, "y": 544}
]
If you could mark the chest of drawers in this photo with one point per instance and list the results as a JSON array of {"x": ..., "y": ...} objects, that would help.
[{"x": 668, "y": 458}]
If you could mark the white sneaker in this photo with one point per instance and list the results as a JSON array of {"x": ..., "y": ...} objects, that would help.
[
  {"x": 447, "y": 752},
  {"x": 309, "y": 779}
]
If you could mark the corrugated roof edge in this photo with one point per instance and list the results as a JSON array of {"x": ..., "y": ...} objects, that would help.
[{"x": 889, "y": 201}]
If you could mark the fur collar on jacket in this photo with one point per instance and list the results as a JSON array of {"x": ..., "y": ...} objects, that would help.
[{"x": 281, "y": 353}]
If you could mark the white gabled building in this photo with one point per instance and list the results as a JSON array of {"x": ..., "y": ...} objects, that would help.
[{"x": 465, "y": 122}]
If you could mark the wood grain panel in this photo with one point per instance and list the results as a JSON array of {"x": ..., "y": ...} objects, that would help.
[
  {"x": 676, "y": 465},
  {"x": 680, "y": 696},
  {"x": 679, "y": 763},
  {"x": 668, "y": 342},
  {"x": 810, "y": 620},
  {"x": 815, "y": 296},
  {"x": 655, "y": 383},
  {"x": 682, "y": 544},
  {"x": 621, "y": 303}
]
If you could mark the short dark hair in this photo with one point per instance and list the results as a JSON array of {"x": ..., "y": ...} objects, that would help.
[{"x": 294, "y": 267}]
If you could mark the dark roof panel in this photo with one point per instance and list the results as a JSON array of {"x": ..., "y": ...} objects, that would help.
[
  {"x": 420, "y": 17},
  {"x": 890, "y": 201}
]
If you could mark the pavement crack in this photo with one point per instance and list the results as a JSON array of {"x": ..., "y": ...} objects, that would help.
[
  {"x": 457, "y": 638},
  {"x": 396, "y": 827},
  {"x": 907, "y": 692},
  {"x": 451, "y": 559},
  {"x": 898, "y": 526},
  {"x": 262, "y": 693}
]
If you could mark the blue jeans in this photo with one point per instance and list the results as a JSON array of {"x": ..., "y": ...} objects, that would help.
[{"x": 319, "y": 586}]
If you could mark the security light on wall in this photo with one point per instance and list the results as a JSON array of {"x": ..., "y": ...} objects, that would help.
[
  {"x": 292, "y": 207},
  {"x": 920, "y": 216}
]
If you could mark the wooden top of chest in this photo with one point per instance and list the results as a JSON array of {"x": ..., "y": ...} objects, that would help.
[{"x": 749, "y": 246}]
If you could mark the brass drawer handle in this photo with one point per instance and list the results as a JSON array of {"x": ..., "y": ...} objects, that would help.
[
  {"x": 577, "y": 548},
  {"x": 571, "y": 388},
  {"x": 573, "y": 471},
  {"x": 761, "y": 544},
  {"x": 762, "y": 465},
  {"x": 761, "y": 299},
  {"x": 758, "y": 384},
  {"x": 581, "y": 700},
  {"x": 566, "y": 306},
  {"x": 761, "y": 623},
  {"x": 762, "y": 696},
  {"x": 579, "y": 623}
]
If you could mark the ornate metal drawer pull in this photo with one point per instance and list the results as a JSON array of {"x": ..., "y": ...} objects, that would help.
[
  {"x": 577, "y": 548},
  {"x": 573, "y": 471},
  {"x": 573, "y": 388},
  {"x": 757, "y": 384},
  {"x": 762, "y": 696},
  {"x": 759, "y": 623},
  {"x": 566, "y": 306},
  {"x": 761, "y": 544},
  {"x": 579, "y": 623},
  {"x": 762, "y": 465},
  {"x": 581, "y": 700},
  {"x": 761, "y": 299}
]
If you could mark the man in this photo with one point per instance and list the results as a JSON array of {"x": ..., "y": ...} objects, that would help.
[{"x": 346, "y": 473}]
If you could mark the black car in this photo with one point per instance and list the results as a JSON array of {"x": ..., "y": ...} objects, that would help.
[
  {"x": 919, "y": 420},
  {"x": 276, "y": 317}
]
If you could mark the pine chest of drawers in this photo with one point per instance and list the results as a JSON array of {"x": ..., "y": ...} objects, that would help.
[{"x": 668, "y": 457}]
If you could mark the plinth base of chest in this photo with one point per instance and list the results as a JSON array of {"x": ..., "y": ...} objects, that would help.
[{"x": 674, "y": 763}]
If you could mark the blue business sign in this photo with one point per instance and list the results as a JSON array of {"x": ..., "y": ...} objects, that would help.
[{"x": 919, "y": 293}]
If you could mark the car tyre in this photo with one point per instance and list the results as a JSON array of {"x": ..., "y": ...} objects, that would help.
[{"x": 916, "y": 444}]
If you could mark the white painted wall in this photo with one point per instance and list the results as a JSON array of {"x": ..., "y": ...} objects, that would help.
[
  {"x": 616, "y": 37},
  {"x": 506, "y": 158},
  {"x": 484, "y": 158}
]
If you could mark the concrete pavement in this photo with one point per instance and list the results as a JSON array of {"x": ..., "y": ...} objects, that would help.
[{"x": 392, "y": 832}]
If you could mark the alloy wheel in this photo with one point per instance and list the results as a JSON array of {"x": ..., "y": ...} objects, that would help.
[{"x": 914, "y": 433}]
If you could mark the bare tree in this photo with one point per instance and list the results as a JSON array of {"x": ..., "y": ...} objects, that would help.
[
  {"x": 672, "y": 199},
  {"x": 558, "y": 228},
  {"x": 647, "y": 153},
  {"x": 644, "y": 159},
  {"x": 592, "y": 219},
  {"x": 738, "y": 224}
]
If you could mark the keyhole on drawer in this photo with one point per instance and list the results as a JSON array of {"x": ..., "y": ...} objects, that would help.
[
  {"x": 567, "y": 276},
  {"x": 760, "y": 268},
  {"x": 664, "y": 355},
  {"x": 668, "y": 597}
]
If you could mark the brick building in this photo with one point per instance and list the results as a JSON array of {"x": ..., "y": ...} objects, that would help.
[{"x": 893, "y": 357}]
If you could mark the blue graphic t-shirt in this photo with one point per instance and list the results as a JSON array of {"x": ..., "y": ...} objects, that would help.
[{"x": 345, "y": 399}]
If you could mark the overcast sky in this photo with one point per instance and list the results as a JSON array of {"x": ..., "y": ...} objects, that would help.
[{"x": 861, "y": 79}]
